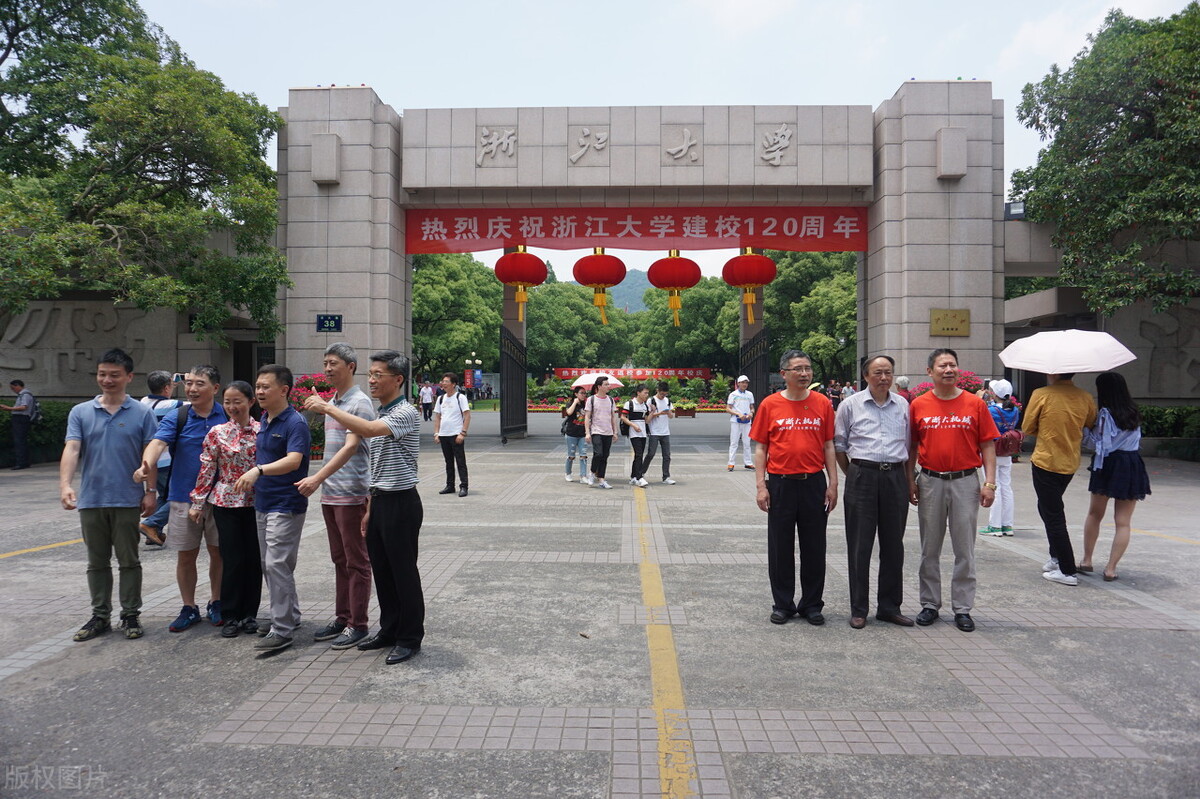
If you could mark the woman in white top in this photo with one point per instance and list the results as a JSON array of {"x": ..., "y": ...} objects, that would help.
[
  {"x": 600, "y": 424},
  {"x": 633, "y": 416}
]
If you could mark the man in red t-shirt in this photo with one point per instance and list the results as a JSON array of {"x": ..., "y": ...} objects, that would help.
[
  {"x": 953, "y": 434},
  {"x": 796, "y": 470}
]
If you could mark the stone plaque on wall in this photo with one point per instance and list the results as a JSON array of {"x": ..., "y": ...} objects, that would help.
[{"x": 949, "y": 321}]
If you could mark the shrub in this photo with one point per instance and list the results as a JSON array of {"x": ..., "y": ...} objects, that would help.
[{"x": 967, "y": 381}]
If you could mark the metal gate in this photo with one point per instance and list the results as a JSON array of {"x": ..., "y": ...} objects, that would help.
[
  {"x": 514, "y": 420},
  {"x": 754, "y": 361}
]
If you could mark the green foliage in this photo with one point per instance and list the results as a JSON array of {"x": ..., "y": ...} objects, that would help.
[
  {"x": 456, "y": 303},
  {"x": 1171, "y": 421},
  {"x": 121, "y": 163},
  {"x": 45, "y": 437},
  {"x": 812, "y": 306},
  {"x": 1020, "y": 286},
  {"x": 707, "y": 332},
  {"x": 1121, "y": 174},
  {"x": 563, "y": 329}
]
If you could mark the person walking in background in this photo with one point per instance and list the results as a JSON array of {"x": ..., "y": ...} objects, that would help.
[
  {"x": 600, "y": 425},
  {"x": 22, "y": 422},
  {"x": 1117, "y": 470},
  {"x": 574, "y": 433},
  {"x": 228, "y": 453},
  {"x": 104, "y": 439},
  {"x": 344, "y": 480},
  {"x": 161, "y": 385},
  {"x": 1057, "y": 415},
  {"x": 426, "y": 398},
  {"x": 740, "y": 406},
  {"x": 1006, "y": 415},
  {"x": 451, "y": 420},
  {"x": 633, "y": 416},
  {"x": 659, "y": 430}
]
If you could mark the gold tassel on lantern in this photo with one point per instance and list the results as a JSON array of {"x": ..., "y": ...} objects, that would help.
[
  {"x": 600, "y": 299},
  {"x": 674, "y": 302},
  {"x": 522, "y": 297},
  {"x": 748, "y": 300}
]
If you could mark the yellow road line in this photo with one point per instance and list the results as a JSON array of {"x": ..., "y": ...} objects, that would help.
[
  {"x": 39, "y": 549},
  {"x": 676, "y": 755},
  {"x": 1164, "y": 535}
]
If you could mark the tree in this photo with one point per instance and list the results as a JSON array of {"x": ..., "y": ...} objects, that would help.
[
  {"x": 812, "y": 305},
  {"x": 705, "y": 336},
  {"x": 125, "y": 169},
  {"x": 563, "y": 329},
  {"x": 1121, "y": 175},
  {"x": 456, "y": 304}
]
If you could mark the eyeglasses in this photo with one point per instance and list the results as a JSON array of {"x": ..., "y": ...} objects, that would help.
[
  {"x": 798, "y": 369},
  {"x": 380, "y": 375}
]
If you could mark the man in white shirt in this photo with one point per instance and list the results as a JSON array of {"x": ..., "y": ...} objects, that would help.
[
  {"x": 658, "y": 419},
  {"x": 426, "y": 397},
  {"x": 451, "y": 419},
  {"x": 741, "y": 411}
]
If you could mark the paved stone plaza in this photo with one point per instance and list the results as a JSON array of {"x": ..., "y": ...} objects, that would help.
[{"x": 590, "y": 643}]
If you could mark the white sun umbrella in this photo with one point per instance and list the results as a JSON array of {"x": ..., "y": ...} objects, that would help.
[
  {"x": 587, "y": 380},
  {"x": 1057, "y": 352}
]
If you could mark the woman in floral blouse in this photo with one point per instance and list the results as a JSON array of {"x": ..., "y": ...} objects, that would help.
[{"x": 228, "y": 453}]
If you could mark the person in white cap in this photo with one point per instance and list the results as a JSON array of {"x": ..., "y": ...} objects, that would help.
[
  {"x": 741, "y": 410},
  {"x": 1006, "y": 414}
]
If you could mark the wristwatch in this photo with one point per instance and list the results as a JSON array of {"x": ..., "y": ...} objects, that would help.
[{"x": 990, "y": 485}]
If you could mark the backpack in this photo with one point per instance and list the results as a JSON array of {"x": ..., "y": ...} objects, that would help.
[
  {"x": 35, "y": 410},
  {"x": 1009, "y": 443}
]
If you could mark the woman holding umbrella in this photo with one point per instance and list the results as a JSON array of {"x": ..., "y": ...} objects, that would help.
[
  {"x": 1118, "y": 471},
  {"x": 573, "y": 432},
  {"x": 600, "y": 424}
]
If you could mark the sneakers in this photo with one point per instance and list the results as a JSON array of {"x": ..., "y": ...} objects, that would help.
[
  {"x": 1057, "y": 576},
  {"x": 132, "y": 626},
  {"x": 231, "y": 629},
  {"x": 1006, "y": 530},
  {"x": 668, "y": 481},
  {"x": 249, "y": 626},
  {"x": 990, "y": 531},
  {"x": 749, "y": 466},
  {"x": 570, "y": 479},
  {"x": 1050, "y": 565},
  {"x": 643, "y": 482},
  {"x": 213, "y": 612},
  {"x": 272, "y": 642},
  {"x": 633, "y": 481},
  {"x": 729, "y": 468},
  {"x": 93, "y": 627},
  {"x": 589, "y": 480},
  {"x": 187, "y": 617},
  {"x": 330, "y": 631},
  {"x": 349, "y": 638},
  {"x": 603, "y": 484}
]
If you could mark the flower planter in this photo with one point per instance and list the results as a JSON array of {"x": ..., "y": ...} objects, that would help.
[{"x": 690, "y": 413}]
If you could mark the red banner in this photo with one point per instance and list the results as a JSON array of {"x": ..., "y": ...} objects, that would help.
[
  {"x": 637, "y": 374},
  {"x": 815, "y": 229}
]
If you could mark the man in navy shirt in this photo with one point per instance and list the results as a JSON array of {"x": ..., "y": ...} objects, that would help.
[
  {"x": 201, "y": 385},
  {"x": 106, "y": 436},
  {"x": 284, "y": 444}
]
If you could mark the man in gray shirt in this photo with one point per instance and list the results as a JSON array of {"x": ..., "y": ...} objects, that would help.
[
  {"x": 871, "y": 436},
  {"x": 22, "y": 421}
]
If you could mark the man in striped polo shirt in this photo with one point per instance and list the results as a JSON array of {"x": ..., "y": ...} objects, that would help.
[
  {"x": 344, "y": 482},
  {"x": 394, "y": 512}
]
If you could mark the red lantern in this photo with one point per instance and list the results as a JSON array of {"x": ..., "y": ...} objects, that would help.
[
  {"x": 747, "y": 272},
  {"x": 674, "y": 274},
  {"x": 598, "y": 272},
  {"x": 521, "y": 269}
]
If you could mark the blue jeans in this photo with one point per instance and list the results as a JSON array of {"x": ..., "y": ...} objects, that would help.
[{"x": 577, "y": 447}]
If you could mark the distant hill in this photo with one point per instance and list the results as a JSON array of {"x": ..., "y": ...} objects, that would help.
[{"x": 628, "y": 294}]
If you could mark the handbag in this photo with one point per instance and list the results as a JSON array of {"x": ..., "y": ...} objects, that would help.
[{"x": 1009, "y": 443}]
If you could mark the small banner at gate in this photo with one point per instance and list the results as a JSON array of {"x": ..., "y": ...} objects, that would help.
[
  {"x": 801, "y": 229},
  {"x": 568, "y": 373}
]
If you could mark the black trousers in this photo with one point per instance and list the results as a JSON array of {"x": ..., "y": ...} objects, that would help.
[
  {"x": 427, "y": 410},
  {"x": 797, "y": 511},
  {"x": 393, "y": 529},
  {"x": 1050, "y": 487},
  {"x": 241, "y": 570},
  {"x": 454, "y": 452},
  {"x": 20, "y": 433},
  {"x": 654, "y": 443},
  {"x": 639, "y": 448},
  {"x": 601, "y": 445},
  {"x": 875, "y": 503}
]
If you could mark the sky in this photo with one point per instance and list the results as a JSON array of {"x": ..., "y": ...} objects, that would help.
[{"x": 470, "y": 53}]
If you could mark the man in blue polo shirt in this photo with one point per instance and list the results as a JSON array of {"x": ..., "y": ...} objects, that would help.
[
  {"x": 284, "y": 444},
  {"x": 106, "y": 436},
  {"x": 204, "y": 413}
]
